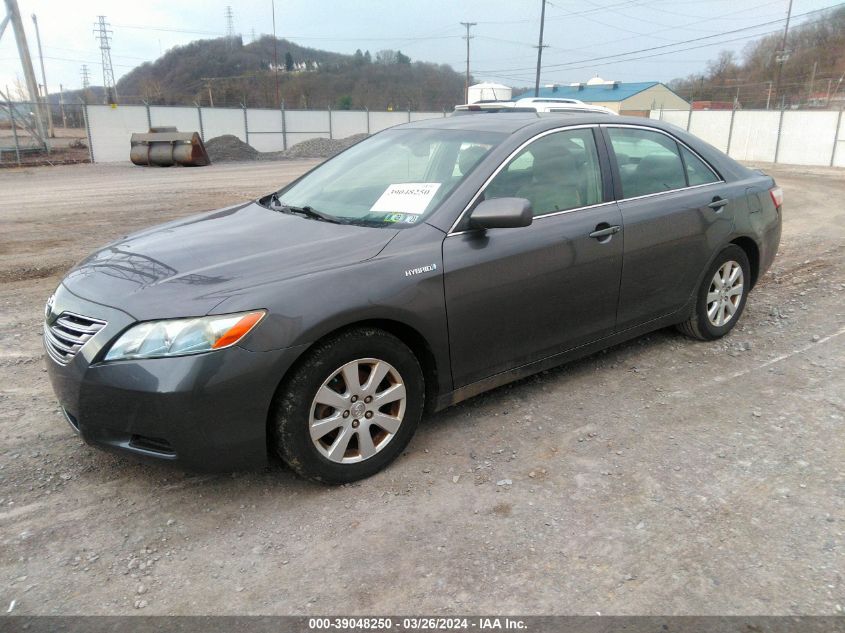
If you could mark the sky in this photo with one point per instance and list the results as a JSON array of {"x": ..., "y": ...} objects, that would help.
[{"x": 585, "y": 37}]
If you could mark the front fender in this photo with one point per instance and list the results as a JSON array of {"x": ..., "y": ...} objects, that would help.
[{"x": 306, "y": 308}]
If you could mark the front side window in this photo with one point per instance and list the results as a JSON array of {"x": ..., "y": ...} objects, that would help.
[
  {"x": 649, "y": 162},
  {"x": 557, "y": 172},
  {"x": 395, "y": 178}
]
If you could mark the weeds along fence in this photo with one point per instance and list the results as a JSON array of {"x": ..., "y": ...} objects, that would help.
[
  {"x": 796, "y": 137},
  {"x": 109, "y": 127}
]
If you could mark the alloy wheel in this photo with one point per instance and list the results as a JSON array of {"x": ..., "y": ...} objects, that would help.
[
  {"x": 357, "y": 410},
  {"x": 725, "y": 293}
]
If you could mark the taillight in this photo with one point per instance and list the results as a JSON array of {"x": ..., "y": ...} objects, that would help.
[{"x": 777, "y": 196}]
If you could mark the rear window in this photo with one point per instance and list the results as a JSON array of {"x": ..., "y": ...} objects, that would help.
[{"x": 698, "y": 173}]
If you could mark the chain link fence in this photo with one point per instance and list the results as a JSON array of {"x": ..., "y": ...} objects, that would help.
[{"x": 22, "y": 145}]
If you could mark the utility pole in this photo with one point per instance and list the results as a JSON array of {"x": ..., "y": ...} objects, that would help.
[
  {"x": 208, "y": 87},
  {"x": 62, "y": 105},
  {"x": 44, "y": 80},
  {"x": 835, "y": 90},
  {"x": 103, "y": 35},
  {"x": 540, "y": 48},
  {"x": 769, "y": 95},
  {"x": 468, "y": 37},
  {"x": 13, "y": 16},
  {"x": 782, "y": 55},
  {"x": 812, "y": 83},
  {"x": 275, "y": 53}
]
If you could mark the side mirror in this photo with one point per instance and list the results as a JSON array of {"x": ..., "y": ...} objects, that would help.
[{"x": 501, "y": 213}]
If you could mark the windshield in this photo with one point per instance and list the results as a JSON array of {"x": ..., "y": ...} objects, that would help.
[{"x": 395, "y": 178}]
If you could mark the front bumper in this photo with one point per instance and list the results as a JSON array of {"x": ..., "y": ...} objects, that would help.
[{"x": 206, "y": 412}]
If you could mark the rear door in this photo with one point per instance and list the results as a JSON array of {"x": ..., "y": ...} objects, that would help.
[
  {"x": 675, "y": 210},
  {"x": 518, "y": 295}
]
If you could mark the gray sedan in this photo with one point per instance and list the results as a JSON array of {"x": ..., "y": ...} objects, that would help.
[{"x": 424, "y": 265}]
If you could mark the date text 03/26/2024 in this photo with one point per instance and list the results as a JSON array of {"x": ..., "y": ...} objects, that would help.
[{"x": 417, "y": 624}]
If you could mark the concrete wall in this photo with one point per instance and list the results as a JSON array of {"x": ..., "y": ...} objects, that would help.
[
  {"x": 797, "y": 137},
  {"x": 110, "y": 127}
]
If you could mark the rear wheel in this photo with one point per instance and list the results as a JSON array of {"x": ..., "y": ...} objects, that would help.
[
  {"x": 350, "y": 407},
  {"x": 721, "y": 297}
]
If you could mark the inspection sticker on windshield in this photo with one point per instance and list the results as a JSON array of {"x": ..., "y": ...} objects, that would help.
[{"x": 406, "y": 197}]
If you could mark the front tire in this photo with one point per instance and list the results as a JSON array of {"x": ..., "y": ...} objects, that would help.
[
  {"x": 721, "y": 297},
  {"x": 350, "y": 407}
]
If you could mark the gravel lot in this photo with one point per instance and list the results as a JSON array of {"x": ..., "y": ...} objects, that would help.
[{"x": 664, "y": 476}]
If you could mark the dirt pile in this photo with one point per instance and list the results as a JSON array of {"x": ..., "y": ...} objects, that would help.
[
  {"x": 229, "y": 148},
  {"x": 317, "y": 147}
]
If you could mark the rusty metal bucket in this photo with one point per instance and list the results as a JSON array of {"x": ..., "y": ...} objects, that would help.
[{"x": 164, "y": 147}]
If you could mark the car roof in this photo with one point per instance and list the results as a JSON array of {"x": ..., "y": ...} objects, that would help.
[
  {"x": 510, "y": 122},
  {"x": 531, "y": 123}
]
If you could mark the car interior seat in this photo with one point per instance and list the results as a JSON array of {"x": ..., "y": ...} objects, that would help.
[
  {"x": 655, "y": 172},
  {"x": 554, "y": 182}
]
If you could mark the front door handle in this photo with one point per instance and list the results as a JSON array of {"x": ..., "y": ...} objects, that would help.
[
  {"x": 604, "y": 230},
  {"x": 718, "y": 203}
]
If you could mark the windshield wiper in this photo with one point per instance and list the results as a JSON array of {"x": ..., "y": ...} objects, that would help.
[{"x": 307, "y": 211}]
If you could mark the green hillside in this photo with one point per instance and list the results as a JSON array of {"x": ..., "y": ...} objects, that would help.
[{"x": 239, "y": 73}]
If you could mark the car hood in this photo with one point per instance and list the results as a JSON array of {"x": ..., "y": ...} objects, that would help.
[{"x": 186, "y": 267}]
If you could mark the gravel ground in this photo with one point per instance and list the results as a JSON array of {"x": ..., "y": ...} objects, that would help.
[
  {"x": 228, "y": 148},
  {"x": 663, "y": 476}
]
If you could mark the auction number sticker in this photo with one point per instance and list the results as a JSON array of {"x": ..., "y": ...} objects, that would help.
[{"x": 406, "y": 197}]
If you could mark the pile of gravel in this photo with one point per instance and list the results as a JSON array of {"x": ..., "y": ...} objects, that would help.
[
  {"x": 317, "y": 147},
  {"x": 229, "y": 148}
]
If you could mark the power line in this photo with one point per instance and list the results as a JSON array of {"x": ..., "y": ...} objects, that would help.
[{"x": 678, "y": 43}]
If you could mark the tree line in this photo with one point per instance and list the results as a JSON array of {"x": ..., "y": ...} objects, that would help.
[{"x": 812, "y": 73}]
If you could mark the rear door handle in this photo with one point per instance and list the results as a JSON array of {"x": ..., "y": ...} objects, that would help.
[
  {"x": 607, "y": 231},
  {"x": 718, "y": 203}
]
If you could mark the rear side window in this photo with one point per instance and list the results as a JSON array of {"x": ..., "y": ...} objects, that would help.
[
  {"x": 698, "y": 172},
  {"x": 649, "y": 162}
]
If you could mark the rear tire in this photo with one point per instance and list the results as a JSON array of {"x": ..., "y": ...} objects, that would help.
[
  {"x": 721, "y": 297},
  {"x": 350, "y": 407}
]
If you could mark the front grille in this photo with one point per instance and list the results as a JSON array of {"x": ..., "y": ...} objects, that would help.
[{"x": 64, "y": 338}]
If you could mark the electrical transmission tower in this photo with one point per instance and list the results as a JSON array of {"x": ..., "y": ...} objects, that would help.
[
  {"x": 230, "y": 22},
  {"x": 86, "y": 79},
  {"x": 13, "y": 17},
  {"x": 103, "y": 35}
]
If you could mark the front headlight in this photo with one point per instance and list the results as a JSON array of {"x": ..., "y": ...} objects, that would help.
[{"x": 179, "y": 337}]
